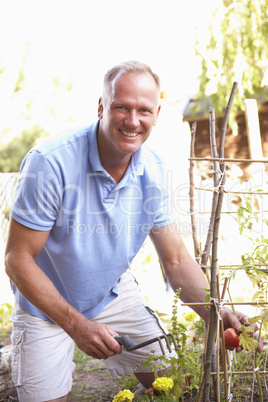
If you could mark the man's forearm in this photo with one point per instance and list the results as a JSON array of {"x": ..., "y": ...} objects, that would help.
[
  {"x": 189, "y": 277},
  {"x": 37, "y": 288}
]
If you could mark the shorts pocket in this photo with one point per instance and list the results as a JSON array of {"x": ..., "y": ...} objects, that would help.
[
  {"x": 157, "y": 319},
  {"x": 16, "y": 366}
]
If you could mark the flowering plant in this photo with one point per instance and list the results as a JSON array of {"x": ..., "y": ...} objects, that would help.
[
  {"x": 124, "y": 396},
  {"x": 163, "y": 384},
  {"x": 190, "y": 317}
]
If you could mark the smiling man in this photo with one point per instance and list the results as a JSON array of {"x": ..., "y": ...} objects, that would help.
[
  {"x": 127, "y": 112},
  {"x": 85, "y": 203}
]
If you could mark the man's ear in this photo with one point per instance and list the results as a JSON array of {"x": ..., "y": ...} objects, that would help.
[
  {"x": 100, "y": 108},
  {"x": 157, "y": 114}
]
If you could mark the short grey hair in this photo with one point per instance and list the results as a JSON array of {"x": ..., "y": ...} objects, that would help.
[{"x": 131, "y": 66}]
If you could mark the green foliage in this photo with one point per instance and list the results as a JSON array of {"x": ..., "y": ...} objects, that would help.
[
  {"x": 6, "y": 310},
  {"x": 248, "y": 215},
  {"x": 243, "y": 362},
  {"x": 147, "y": 259},
  {"x": 128, "y": 382},
  {"x": 255, "y": 262},
  {"x": 13, "y": 152},
  {"x": 185, "y": 366},
  {"x": 239, "y": 52}
]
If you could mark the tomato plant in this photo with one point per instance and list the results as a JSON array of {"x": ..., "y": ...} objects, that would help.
[
  {"x": 256, "y": 344},
  {"x": 231, "y": 338}
]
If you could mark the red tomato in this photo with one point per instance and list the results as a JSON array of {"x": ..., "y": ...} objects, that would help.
[{"x": 231, "y": 338}]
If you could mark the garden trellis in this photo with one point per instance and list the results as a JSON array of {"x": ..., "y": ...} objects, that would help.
[{"x": 212, "y": 270}]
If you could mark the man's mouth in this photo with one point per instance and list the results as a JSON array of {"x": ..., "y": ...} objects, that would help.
[{"x": 128, "y": 134}]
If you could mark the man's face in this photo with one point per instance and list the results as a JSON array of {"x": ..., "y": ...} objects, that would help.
[{"x": 127, "y": 119}]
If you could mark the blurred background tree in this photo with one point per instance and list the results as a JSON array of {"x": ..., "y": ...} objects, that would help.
[
  {"x": 12, "y": 153},
  {"x": 236, "y": 50}
]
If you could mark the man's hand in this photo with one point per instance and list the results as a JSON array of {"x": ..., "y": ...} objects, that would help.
[
  {"x": 96, "y": 340},
  {"x": 231, "y": 320}
]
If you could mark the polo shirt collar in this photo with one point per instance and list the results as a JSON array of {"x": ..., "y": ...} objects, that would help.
[{"x": 94, "y": 157}]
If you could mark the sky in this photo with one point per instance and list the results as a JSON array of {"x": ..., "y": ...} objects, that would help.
[
  {"x": 79, "y": 40},
  {"x": 88, "y": 37}
]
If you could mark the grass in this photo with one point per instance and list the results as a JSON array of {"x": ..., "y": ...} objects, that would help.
[
  {"x": 91, "y": 380},
  {"x": 82, "y": 360}
]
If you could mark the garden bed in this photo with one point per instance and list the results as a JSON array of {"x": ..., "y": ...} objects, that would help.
[{"x": 92, "y": 382}]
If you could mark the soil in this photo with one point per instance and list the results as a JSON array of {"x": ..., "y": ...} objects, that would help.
[
  {"x": 96, "y": 386},
  {"x": 92, "y": 382}
]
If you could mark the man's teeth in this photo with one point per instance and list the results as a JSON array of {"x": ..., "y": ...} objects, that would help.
[{"x": 127, "y": 134}]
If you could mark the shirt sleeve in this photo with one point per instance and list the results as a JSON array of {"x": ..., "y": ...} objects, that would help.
[
  {"x": 163, "y": 216},
  {"x": 38, "y": 194}
]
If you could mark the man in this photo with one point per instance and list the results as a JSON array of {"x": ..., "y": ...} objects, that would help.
[{"x": 85, "y": 203}]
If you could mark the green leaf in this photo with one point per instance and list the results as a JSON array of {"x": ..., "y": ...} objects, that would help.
[
  {"x": 255, "y": 319},
  {"x": 182, "y": 326},
  {"x": 207, "y": 298},
  {"x": 258, "y": 296},
  {"x": 246, "y": 341}
]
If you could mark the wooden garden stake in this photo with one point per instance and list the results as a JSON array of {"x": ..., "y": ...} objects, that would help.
[
  {"x": 201, "y": 378},
  {"x": 225, "y": 360},
  {"x": 206, "y": 251},
  {"x": 218, "y": 342},
  {"x": 221, "y": 345},
  {"x": 213, "y": 289},
  {"x": 191, "y": 194}
]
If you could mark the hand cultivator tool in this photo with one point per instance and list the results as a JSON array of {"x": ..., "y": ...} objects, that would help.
[{"x": 129, "y": 345}]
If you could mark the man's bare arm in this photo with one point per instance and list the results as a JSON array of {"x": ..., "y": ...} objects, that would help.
[
  {"x": 180, "y": 269},
  {"x": 23, "y": 245}
]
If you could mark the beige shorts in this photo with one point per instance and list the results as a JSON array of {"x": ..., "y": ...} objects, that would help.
[{"x": 42, "y": 360}]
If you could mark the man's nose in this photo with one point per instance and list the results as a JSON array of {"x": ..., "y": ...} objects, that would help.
[{"x": 133, "y": 118}]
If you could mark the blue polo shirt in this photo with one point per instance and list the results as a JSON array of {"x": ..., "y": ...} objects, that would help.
[{"x": 96, "y": 227}]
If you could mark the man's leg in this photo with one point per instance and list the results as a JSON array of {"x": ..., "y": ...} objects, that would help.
[
  {"x": 130, "y": 315},
  {"x": 42, "y": 359}
]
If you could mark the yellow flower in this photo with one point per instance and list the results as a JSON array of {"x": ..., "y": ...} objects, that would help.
[
  {"x": 124, "y": 396},
  {"x": 190, "y": 317},
  {"x": 163, "y": 384}
]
